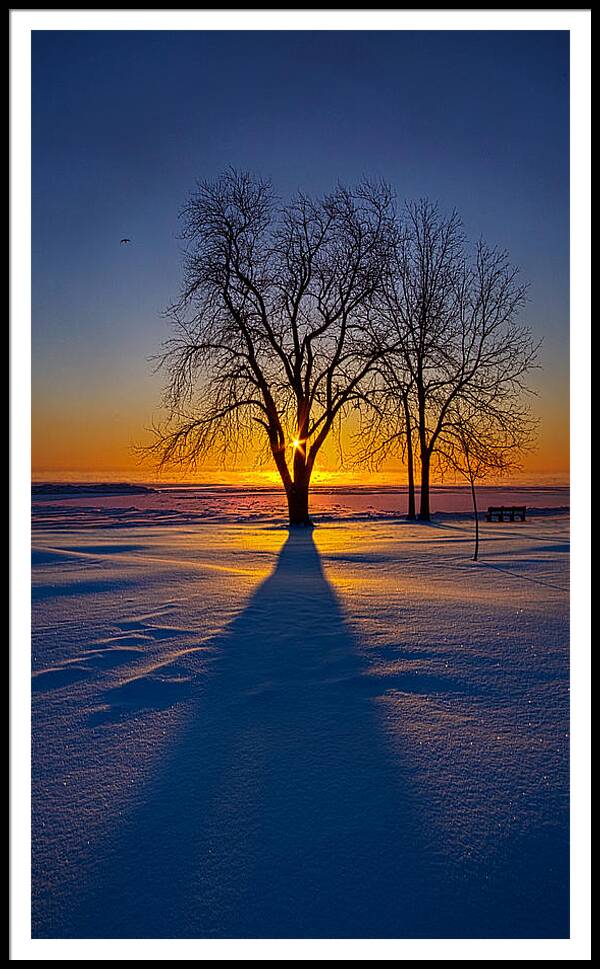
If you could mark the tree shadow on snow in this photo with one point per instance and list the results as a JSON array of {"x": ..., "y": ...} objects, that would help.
[{"x": 280, "y": 811}]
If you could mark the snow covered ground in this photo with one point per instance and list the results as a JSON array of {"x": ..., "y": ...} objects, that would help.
[{"x": 353, "y": 731}]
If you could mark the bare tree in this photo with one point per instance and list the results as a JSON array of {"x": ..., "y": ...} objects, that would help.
[
  {"x": 477, "y": 445},
  {"x": 452, "y": 330},
  {"x": 272, "y": 325}
]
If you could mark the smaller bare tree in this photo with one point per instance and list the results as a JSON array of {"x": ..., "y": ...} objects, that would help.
[
  {"x": 451, "y": 322},
  {"x": 478, "y": 446}
]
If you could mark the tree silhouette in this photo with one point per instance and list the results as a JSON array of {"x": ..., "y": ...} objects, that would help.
[
  {"x": 450, "y": 324},
  {"x": 476, "y": 444},
  {"x": 272, "y": 326},
  {"x": 292, "y": 314}
]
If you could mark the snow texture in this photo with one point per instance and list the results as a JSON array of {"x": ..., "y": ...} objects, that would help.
[{"x": 351, "y": 731}]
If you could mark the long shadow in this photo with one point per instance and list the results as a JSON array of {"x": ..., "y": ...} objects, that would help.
[{"x": 280, "y": 812}]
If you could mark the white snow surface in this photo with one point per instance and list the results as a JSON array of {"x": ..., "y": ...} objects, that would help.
[{"x": 346, "y": 731}]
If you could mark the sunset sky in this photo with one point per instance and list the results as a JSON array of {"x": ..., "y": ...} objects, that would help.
[{"x": 123, "y": 123}]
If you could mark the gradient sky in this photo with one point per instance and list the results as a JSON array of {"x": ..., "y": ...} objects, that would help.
[{"x": 123, "y": 123}]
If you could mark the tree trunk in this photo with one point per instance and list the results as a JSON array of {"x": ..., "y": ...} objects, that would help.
[
  {"x": 297, "y": 496},
  {"x": 412, "y": 510},
  {"x": 476, "y": 516},
  {"x": 425, "y": 510},
  {"x": 424, "y": 454},
  {"x": 298, "y": 491}
]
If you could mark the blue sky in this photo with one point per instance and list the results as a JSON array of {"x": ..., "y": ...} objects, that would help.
[{"x": 123, "y": 123}]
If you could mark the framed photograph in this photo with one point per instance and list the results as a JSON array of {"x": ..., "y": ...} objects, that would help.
[{"x": 296, "y": 301}]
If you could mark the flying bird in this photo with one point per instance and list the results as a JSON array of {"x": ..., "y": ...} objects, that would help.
[{"x": 124, "y": 242}]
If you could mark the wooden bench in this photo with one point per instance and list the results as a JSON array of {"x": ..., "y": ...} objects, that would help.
[{"x": 502, "y": 513}]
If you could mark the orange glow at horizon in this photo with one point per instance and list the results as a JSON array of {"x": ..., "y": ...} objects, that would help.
[{"x": 78, "y": 446}]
